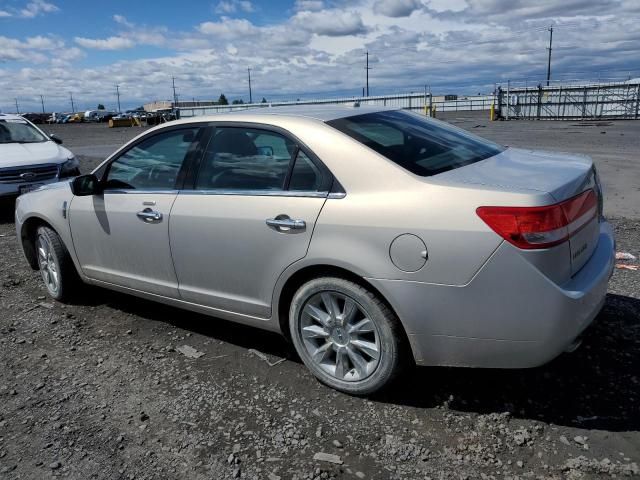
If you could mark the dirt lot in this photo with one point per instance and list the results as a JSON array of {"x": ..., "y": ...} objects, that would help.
[{"x": 98, "y": 390}]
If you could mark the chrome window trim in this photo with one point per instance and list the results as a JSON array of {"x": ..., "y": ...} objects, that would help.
[
  {"x": 258, "y": 193},
  {"x": 140, "y": 192},
  {"x": 248, "y": 193}
]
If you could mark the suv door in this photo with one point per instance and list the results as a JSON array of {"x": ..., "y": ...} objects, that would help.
[
  {"x": 122, "y": 235},
  {"x": 250, "y": 214}
]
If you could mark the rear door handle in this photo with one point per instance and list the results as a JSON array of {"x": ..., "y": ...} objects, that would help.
[
  {"x": 149, "y": 216},
  {"x": 283, "y": 224}
]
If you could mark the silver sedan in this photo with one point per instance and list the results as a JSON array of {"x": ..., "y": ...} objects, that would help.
[{"x": 372, "y": 238}]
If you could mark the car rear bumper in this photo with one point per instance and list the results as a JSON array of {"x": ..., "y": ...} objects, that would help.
[{"x": 509, "y": 316}]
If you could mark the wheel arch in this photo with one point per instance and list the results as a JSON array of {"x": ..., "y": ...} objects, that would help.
[
  {"x": 28, "y": 236},
  {"x": 309, "y": 272}
]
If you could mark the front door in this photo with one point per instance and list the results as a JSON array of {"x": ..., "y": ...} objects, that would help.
[
  {"x": 122, "y": 235},
  {"x": 250, "y": 214}
]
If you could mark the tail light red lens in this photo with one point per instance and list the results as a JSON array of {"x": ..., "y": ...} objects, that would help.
[{"x": 541, "y": 227}]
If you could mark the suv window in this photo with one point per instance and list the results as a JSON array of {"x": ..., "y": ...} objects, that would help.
[
  {"x": 153, "y": 163},
  {"x": 245, "y": 159},
  {"x": 422, "y": 146},
  {"x": 17, "y": 130}
]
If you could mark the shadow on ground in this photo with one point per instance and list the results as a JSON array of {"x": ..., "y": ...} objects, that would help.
[
  {"x": 7, "y": 208},
  {"x": 596, "y": 387}
]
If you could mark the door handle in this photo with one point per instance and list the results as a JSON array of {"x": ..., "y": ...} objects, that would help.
[
  {"x": 283, "y": 223},
  {"x": 149, "y": 216}
]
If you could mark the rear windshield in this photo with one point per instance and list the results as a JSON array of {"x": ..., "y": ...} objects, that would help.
[
  {"x": 19, "y": 131},
  {"x": 421, "y": 145}
]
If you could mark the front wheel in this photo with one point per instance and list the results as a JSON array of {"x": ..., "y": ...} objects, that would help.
[
  {"x": 346, "y": 336},
  {"x": 56, "y": 267}
]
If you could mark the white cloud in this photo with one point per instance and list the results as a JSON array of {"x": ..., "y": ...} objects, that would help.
[
  {"x": 309, "y": 5},
  {"x": 396, "y": 8},
  {"x": 111, "y": 43},
  {"x": 332, "y": 22},
  {"x": 4, "y": 14},
  {"x": 122, "y": 20},
  {"x": 228, "y": 28},
  {"x": 37, "y": 7},
  {"x": 226, "y": 7}
]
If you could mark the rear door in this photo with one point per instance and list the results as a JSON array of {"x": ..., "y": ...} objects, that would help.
[
  {"x": 250, "y": 213},
  {"x": 122, "y": 235}
]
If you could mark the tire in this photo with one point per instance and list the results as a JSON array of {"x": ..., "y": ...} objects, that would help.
[
  {"x": 356, "y": 352},
  {"x": 57, "y": 270}
]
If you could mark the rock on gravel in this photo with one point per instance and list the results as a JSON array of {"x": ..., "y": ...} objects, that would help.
[{"x": 328, "y": 457}]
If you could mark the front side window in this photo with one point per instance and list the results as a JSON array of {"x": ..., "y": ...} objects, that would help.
[
  {"x": 420, "y": 145},
  {"x": 245, "y": 159},
  {"x": 19, "y": 131},
  {"x": 153, "y": 163}
]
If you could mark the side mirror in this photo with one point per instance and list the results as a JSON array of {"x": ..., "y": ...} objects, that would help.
[
  {"x": 53, "y": 137},
  {"x": 85, "y": 185}
]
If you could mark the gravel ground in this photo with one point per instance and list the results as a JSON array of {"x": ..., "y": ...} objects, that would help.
[{"x": 99, "y": 389}]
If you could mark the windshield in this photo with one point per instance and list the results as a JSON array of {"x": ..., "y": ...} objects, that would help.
[
  {"x": 421, "y": 145},
  {"x": 19, "y": 131}
]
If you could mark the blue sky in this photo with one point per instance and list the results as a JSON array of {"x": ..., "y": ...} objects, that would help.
[{"x": 301, "y": 48}]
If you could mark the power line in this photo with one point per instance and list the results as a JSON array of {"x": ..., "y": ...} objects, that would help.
[
  {"x": 367, "y": 68},
  {"x": 175, "y": 97}
]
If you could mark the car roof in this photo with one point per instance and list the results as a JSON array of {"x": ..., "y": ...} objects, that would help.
[
  {"x": 323, "y": 113},
  {"x": 10, "y": 116}
]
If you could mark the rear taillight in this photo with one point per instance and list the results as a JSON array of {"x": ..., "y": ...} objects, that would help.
[{"x": 541, "y": 227}]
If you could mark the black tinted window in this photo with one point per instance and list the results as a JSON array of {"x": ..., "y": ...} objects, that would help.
[
  {"x": 153, "y": 163},
  {"x": 305, "y": 176},
  {"x": 245, "y": 159},
  {"x": 421, "y": 145}
]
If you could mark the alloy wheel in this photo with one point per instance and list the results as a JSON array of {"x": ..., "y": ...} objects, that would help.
[
  {"x": 48, "y": 267},
  {"x": 339, "y": 336}
]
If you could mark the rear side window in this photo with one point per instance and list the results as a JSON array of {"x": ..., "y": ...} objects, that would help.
[
  {"x": 423, "y": 146},
  {"x": 245, "y": 159},
  {"x": 305, "y": 176}
]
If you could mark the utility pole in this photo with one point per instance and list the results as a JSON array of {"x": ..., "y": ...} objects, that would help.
[
  {"x": 73, "y": 107},
  {"x": 367, "y": 68},
  {"x": 250, "y": 95},
  {"x": 118, "y": 95},
  {"x": 549, "y": 59},
  {"x": 17, "y": 108},
  {"x": 175, "y": 97},
  {"x": 42, "y": 102}
]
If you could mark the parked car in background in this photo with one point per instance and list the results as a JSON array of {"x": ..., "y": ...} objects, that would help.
[
  {"x": 98, "y": 115},
  {"x": 29, "y": 158},
  {"x": 36, "y": 118},
  {"x": 370, "y": 237}
]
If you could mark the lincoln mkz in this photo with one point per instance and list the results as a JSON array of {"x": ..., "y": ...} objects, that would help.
[{"x": 372, "y": 238}]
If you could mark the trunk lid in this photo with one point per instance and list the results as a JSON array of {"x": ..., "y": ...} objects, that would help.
[{"x": 561, "y": 175}]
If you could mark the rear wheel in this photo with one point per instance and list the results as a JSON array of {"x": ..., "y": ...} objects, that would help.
[
  {"x": 56, "y": 267},
  {"x": 346, "y": 336}
]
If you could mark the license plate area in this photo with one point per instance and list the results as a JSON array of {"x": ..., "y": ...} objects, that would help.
[{"x": 22, "y": 189}]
